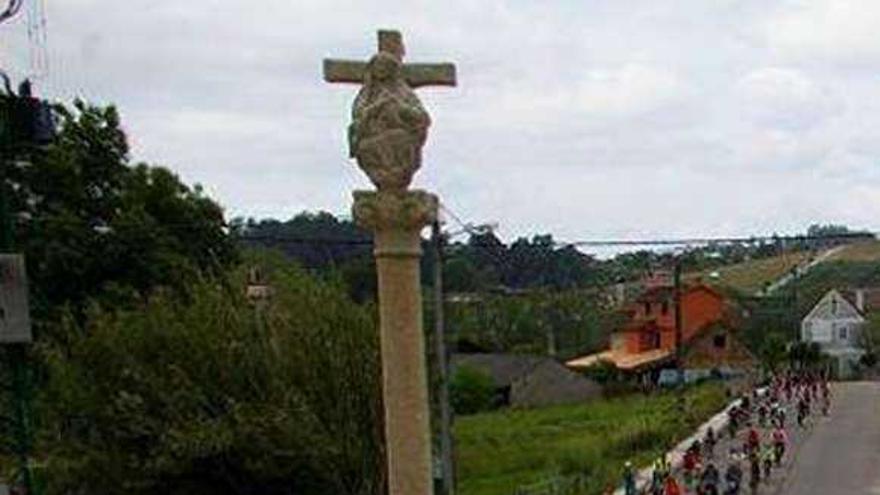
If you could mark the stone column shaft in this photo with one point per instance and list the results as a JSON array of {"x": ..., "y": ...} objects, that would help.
[
  {"x": 397, "y": 220},
  {"x": 404, "y": 379}
]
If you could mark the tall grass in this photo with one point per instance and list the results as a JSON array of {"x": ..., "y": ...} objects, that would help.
[{"x": 501, "y": 451}]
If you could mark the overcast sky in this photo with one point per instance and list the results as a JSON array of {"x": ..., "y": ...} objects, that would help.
[{"x": 585, "y": 119}]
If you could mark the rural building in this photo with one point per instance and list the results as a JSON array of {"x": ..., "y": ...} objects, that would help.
[
  {"x": 835, "y": 323},
  {"x": 646, "y": 342},
  {"x": 530, "y": 381}
]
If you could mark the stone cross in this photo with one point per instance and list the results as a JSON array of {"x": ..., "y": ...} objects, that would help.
[
  {"x": 416, "y": 75},
  {"x": 388, "y": 129}
]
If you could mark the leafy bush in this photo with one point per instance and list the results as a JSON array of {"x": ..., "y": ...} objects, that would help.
[
  {"x": 212, "y": 395},
  {"x": 604, "y": 372},
  {"x": 471, "y": 391}
]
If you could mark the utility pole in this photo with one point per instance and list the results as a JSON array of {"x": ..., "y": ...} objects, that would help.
[
  {"x": 678, "y": 318},
  {"x": 679, "y": 354},
  {"x": 441, "y": 356}
]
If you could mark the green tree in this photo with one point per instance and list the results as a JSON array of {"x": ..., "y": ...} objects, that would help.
[
  {"x": 773, "y": 351},
  {"x": 92, "y": 224},
  {"x": 525, "y": 323},
  {"x": 207, "y": 394},
  {"x": 317, "y": 240},
  {"x": 870, "y": 341}
]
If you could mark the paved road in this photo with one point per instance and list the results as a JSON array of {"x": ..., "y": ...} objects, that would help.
[{"x": 842, "y": 455}]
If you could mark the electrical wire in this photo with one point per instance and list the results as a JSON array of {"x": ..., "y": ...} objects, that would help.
[
  {"x": 686, "y": 242},
  {"x": 689, "y": 241},
  {"x": 610, "y": 242}
]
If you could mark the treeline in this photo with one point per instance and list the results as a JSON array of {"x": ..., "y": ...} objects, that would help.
[
  {"x": 484, "y": 263},
  {"x": 533, "y": 295},
  {"x": 562, "y": 324}
]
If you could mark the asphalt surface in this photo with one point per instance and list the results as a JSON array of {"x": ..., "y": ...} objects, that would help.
[{"x": 841, "y": 455}]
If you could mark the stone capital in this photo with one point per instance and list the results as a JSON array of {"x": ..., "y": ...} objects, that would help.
[{"x": 396, "y": 218}]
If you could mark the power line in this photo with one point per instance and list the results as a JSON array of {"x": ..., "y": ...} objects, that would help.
[
  {"x": 469, "y": 227},
  {"x": 476, "y": 230},
  {"x": 302, "y": 239},
  {"x": 685, "y": 241},
  {"x": 719, "y": 240},
  {"x": 597, "y": 243}
]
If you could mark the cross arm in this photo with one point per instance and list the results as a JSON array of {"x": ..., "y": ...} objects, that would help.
[
  {"x": 416, "y": 75},
  {"x": 346, "y": 71}
]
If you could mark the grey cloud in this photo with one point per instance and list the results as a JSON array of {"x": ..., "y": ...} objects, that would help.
[{"x": 629, "y": 118}]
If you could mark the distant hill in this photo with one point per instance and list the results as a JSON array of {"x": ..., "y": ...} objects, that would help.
[
  {"x": 835, "y": 274},
  {"x": 751, "y": 276},
  {"x": 861, "y": 251}
]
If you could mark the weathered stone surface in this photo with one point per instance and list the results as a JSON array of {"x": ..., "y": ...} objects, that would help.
[
  {"x": 385, "y": 210},
  {"x": 389, "y": 124},
  {"x": 415, "y": 75}
]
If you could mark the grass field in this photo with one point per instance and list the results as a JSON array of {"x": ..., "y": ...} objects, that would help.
[
  {"x": 501, "y": 451},
  {"x": 861, "y": 251},
  {"x": 752, "y": 276}
]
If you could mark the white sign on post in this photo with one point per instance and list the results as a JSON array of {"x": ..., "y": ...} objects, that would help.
[{"x": 15, "y": 319}]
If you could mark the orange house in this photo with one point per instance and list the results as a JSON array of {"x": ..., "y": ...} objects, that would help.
[
  {"x": 651, "y": 322},
  {"x": 647, "y": 339}
]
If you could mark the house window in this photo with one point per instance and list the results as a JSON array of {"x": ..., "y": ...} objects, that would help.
[
  {"x": 842, "y": 333},
  {"x": 834, "y": 306},
  {"x": 720, "y": 341}
]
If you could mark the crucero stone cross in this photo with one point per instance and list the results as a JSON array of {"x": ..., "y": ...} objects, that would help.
[
  {"x": 389, "y": 124},
  {"x": 388, "y": 128}
]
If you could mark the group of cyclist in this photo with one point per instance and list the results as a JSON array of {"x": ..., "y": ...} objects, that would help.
[{"x": 758, "y": 439}]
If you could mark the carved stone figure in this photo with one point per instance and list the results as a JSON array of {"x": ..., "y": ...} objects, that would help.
[{"x": 389, "y": 125}]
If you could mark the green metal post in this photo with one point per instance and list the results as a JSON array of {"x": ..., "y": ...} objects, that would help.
[
  {"x": 21, "y": 392},
  {"x": 17, "y": 353}
]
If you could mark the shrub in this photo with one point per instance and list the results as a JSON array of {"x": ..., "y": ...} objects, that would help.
[
  {"x": 604, "y": 372},
  {"x": 211, "y": 395},
  {"x": 471, "y": 391}
]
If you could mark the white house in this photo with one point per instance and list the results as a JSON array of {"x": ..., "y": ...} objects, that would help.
[{"x": 835, "y": 323}]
